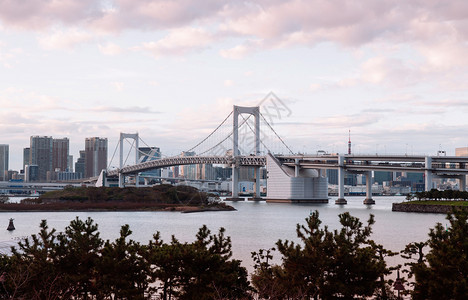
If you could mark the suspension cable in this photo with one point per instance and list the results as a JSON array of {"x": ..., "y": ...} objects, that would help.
[
  {"x": 131, "y": 145},
  {"x": 229, "y": 135},
  {"x": 222, "y": 123},
  {"x": 254, "y": 133},
  {"x": 115, "y": 150},
  {"x": 277, "y": 135}
]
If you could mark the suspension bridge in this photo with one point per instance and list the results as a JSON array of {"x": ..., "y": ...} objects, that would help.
[{"x": 290, "y": 177}]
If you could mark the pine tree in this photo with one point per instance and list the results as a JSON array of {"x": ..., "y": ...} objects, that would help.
[
  {"x": 326, "y": 264},
  {"x": 444, "y": 274}
]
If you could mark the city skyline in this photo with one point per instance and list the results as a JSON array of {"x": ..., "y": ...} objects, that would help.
[{"x": 393, "y": 74}]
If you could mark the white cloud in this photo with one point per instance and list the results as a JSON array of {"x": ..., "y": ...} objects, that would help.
[
  {"x": 64, "y": 39},
  {"x": 237, "y": 52},
  {"x": 179, "y": 42},
  {"x": 110, "y": 49}
]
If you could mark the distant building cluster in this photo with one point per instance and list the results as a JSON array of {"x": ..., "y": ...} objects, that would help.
[{"x": 48, "y": 159}]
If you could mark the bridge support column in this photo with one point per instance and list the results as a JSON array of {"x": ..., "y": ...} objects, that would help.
[
  {"x": 235, "y": 184},
  {"x": 137, "y": 180},
  {"x": 256, "y": 196},
  {"x": 369, "y": 199},
  {"x": 341, "y": 172},
  {"x": 428, "y": 173},
  {"x": 121, "y": 180},
  {"x": 296, "y": 167},
  {"x": 462, "y": 183},
  {"x": 237, "y": 110},
  {"x": 124, "y": 136}
]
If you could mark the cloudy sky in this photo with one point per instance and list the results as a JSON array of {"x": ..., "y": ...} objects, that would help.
[{"x": 395, "y": 73}]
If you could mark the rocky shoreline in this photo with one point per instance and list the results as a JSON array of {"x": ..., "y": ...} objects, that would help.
[
  {"x": 110, "y": 206},
  {"x": 425, "y": 208}
]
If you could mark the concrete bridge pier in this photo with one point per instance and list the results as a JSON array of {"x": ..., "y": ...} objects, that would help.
[
  {"x": 369, "y": 199},
  {"x": 462, "y": 183},
  {"x": 121, "y": 180},
  {"x": 428, "y": 173},
  {"x": 256, "y": 196},
  {"x": 341, "y": 173},
  {"x": 235, "y": 184}
]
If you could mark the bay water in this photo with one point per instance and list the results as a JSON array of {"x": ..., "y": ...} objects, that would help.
[{"x": 253, "y": 226}]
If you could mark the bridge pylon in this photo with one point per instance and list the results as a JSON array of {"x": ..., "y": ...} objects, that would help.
[
  {"x": 124, "y": 136},
  {"x": 238, "y": 110}
]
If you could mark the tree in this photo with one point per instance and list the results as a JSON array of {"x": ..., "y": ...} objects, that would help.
[
  {"x": 33, "y": 271},
  {"x": 444, "y": 273},
  {"x": 122, "y": 272},
  {"x": 199, "y": 270},
  {"x": 327, "y": 264},
  {"x": 355, "y": 267},
  {"x": 77, "y": 255}
]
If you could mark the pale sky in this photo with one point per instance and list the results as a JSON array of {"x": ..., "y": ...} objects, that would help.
[{"x": 395, "y": 73}]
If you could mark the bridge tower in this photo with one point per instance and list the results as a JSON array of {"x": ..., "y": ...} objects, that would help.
[
  {"x": 255, "y": 111},
  {"x": 124, "y": 136}
]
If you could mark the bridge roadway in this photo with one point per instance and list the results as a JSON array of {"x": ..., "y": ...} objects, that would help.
[
  {"x": 432, "y": 166},
  {"x": 34, "y": 186},
  {"x": 251, "y": 160},
  {"x": 353, "y": 163},
  {"x": 440, "y": 165}
]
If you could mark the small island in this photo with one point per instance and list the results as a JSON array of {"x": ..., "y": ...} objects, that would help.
[
  {"x": 433, "y": 201},
  {"x": 164, "y": 197}
]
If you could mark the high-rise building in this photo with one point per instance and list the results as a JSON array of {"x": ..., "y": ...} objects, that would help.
[
  {"x": 188, "y": 171},
  {"x": 4, "y": 159},
  {"x": 80, "y": 163},
  {"x": 41, "y": 155},
  {"x": 26, "y": 157},
  {"x": 31, "y": 173},
  {"x": 332, "y": 176},
  {"x": 96, "y": 156},
  {"x": 206, "y": 172},
  {"x": 381, "y": 176},
  {"x": 463, "y": 151},
  {"x": 70, "y": 163},
  {"x": 60, "y": 152}
]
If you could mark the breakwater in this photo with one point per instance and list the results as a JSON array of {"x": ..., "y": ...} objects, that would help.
[{"x": 425, "y": 208}]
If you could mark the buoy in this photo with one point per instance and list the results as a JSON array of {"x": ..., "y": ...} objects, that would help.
[{"x": 11, "y": 226}]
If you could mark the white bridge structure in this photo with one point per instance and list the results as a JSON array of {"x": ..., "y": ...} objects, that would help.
[{"x": 293, "y": 177}]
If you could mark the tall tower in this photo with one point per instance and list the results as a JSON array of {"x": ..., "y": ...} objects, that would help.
[
  {"x": 95, "y": 156},
  {"x": 4, "y": 159},
  {"x": 26, "y": 157},
  {"x": 81, "y": 163},
  {"x": 60, "y": 153},
  {"x": 349, "y": 142},
  {"x": 41, "y": 155}
]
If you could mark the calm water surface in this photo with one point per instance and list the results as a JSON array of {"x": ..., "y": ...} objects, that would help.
[{"x": 253, "y": 226}]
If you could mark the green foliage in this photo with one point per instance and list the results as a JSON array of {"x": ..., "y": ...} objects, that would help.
[
  {"x": 443, "y": 273},
  {"x": 78, "y": 264},
  {"x": 164, "y": 193},
  {"x": 199, "y": 270},
  {"x": 124, "y": 258},
  {"x": 437, "y": 195},
  {"x": 327, "y": 264}
]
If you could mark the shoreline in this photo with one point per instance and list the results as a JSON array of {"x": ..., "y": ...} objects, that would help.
[
  {"x": 426, "y": 208},
  {"x": 111, "y": 207}
]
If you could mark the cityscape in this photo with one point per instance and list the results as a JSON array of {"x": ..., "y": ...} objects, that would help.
[
  {"x": 48, "y": 160},
  {"x": 223, "y": 149}
]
